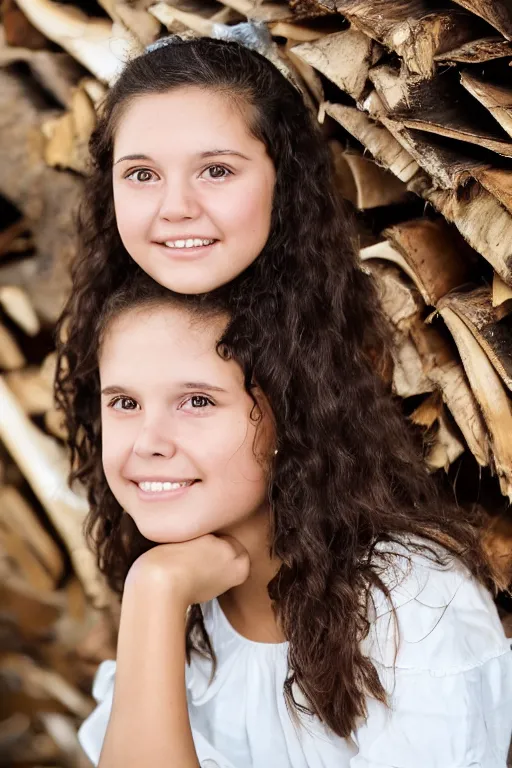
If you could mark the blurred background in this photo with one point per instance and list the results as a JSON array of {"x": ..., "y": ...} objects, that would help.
[{"x": 415, "y": 100}]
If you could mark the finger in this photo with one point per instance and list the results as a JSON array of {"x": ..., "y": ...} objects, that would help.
[{"x": 240, "y": 550}]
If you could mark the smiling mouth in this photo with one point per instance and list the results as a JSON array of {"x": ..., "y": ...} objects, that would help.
[
  {"x": 148, "y": 486},
  {"x": 190, "y": 243}
]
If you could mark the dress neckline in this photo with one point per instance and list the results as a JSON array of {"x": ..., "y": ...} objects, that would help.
[{"x": 224, "y": 622}]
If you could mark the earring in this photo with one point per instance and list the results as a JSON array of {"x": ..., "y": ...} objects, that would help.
[{"x": 276, "y": 452}]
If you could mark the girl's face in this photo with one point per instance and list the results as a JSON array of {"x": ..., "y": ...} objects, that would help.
[
  {"x": 192, "y": 188},
  {"x": 181, "y": 453}
]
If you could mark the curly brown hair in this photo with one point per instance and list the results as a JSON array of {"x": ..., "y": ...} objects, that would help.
[{"x": 348, "y": 473}]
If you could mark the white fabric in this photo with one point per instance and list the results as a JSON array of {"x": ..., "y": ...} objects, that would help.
[{"x": 449, "y": 685}]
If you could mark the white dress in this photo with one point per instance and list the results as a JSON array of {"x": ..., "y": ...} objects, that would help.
[{"x": 450, "y": 687}]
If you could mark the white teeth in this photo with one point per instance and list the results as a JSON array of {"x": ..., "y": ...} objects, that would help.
[
  {"x": 195, "y": 242},
  {"x": 150, "y": 487}
]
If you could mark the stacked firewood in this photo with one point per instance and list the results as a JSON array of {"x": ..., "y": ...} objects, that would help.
[{"x": 414, "y": 98}]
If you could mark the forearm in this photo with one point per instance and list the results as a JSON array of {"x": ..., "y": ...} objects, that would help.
[{"x": 149, "y": 724}]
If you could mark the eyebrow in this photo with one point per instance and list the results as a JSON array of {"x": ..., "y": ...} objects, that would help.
[
  {"x": 203, "y": 155},
  {"x": 117, "y": 390}
]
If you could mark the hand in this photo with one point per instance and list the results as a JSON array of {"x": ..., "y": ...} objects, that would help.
[{"x": 195, "y": 571}]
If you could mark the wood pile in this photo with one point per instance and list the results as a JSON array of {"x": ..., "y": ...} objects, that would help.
[{"x": 415, "y": 99}]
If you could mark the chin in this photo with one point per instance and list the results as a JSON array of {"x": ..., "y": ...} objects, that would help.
[
  {"x": 194, "y": 286},
  {"x": 170, "y": 534}
]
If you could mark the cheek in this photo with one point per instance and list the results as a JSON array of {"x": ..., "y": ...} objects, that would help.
[
  {"x": 255, "y": 209},
  {"x": 114, "y": 450},
  {"x": 132, "y": 212},
  {"x": 249, "y": 211},
  {"x": 237, "y": 463}
]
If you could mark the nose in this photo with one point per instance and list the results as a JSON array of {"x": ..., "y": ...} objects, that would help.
[
  {"x": 154, "y": 439},
  {"x": 179, "y": 200}
]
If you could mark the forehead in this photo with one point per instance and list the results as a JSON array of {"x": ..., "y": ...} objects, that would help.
[
  {"x": 163, "y": 342},
  {"x": 189, "y": 117}
]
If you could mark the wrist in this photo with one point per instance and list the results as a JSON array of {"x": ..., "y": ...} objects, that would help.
[{"x": 148, "y": 585}]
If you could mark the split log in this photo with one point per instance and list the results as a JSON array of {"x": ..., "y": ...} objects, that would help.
[
  {"x": 429, "y": 252},
  {"x": 10, "y": 234},
  {"x": 175, "y": 19},
  {"x": 477, "y": 51},
  {"x": 420, "y": 41},
  {"x": 448, "y": 163},
  {"x": 344, "y": 58},
  {"x": 48, "y": 200},
  {"x": 497, "y": 540},
  {"x": 497, "y": 13},
  {"x": 423, "y": 360},
  {"x": 438, "y": 106},
  {"x": 56, "y": 72},
  {"x": 402, "y": 306},
  {"x": 44, "y": 683},
  {"x": 94, "y": 42},
  {"x": 19, "y": 32},
  {"x": 494, "y": 334},
  {"x": 377, "y": 140},
  {"x": 446, "y": 373},
  {"x": 34, "y": 611},
  {"x": 295, "y": 33},
  {"x": 367, "y": 15},
  {"x": 11, "y": 356},
  {"x": 17, "y": 516},
  {"x": 498, "y": 182},
  {"x": 485, "y": 224},
  {"x": 496, "y": 98},
  {"x": 443, "y": 445},
  {"x": 488, "y": 389},
  {"x": 32, "y": 392},
  {"x": 67, "y": 136},
  {"x": 310, "y": 76},
  {"x": 17, "y": 305},
  {"x": 411, "y": 29},
  {"x": 364, "y": 183},
  {"x": 137, "y": 20},
  {"x": 501, "y": 292},
  {"x": 263, "y": 11},
  {"x": 45, "y": 466}
]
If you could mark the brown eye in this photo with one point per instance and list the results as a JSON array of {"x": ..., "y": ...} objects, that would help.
[
  {"x": 142, "y": 175},
  {"x": 199, "y": 401},
  {"x": 124, "y": 404},
  {"x": 218, "y": 171}
]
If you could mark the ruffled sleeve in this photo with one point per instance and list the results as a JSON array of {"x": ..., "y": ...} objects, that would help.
[
  {"x": 92, "y": 732},
  {"x": 448, "y": 678}
]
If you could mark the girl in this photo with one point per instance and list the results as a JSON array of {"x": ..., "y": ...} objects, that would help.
[
  {"x": 186, "y": 449},
  {"x": 209, "y": 175}
]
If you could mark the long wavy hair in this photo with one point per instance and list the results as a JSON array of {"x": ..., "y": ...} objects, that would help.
[{"x": 307, "y": 326}]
